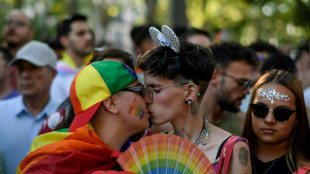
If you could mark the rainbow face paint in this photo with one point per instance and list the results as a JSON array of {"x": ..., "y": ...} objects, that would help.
[
  {"x": 136, "y": 109},
  {"x": 273, "y": 96}
]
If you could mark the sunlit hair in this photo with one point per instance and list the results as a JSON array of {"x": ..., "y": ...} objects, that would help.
[
  {"x": 299, "y": 139},
  {"x": 193, "y": 62}
]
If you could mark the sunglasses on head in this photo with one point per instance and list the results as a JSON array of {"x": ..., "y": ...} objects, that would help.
[
  {"x": 280, "y": 114},
  {"x": 140, "y": 89}
]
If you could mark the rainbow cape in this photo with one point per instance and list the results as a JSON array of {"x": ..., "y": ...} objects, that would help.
[{"x": 81, "y": 151}]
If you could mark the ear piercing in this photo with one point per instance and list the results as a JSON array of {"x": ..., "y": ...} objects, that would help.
[{"x": 188, "y": 101}]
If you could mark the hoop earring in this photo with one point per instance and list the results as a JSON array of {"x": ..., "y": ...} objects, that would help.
[{"x": 188, "y": 101}]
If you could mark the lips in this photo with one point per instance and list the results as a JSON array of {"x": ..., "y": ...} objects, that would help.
[{"x": 268, "y": 131}]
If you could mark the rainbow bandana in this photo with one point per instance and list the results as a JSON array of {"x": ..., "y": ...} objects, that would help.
[{"x": 95, "y": 83}]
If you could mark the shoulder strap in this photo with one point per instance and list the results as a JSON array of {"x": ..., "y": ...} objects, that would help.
[
  {"x": 303, "y": 170},
  {"x": 226, "y": 153},
  {"x": 221, "y": 147}
]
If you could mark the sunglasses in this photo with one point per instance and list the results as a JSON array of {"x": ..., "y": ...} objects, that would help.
[
  {"x": 140, "y": 89},
  {"x": 280, "y": 114},
  {"x": 241, "y": 82},
  {"x": 15, "y": 23}
]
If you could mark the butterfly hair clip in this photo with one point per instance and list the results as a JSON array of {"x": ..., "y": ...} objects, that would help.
[{"x": 165, "y": 38}]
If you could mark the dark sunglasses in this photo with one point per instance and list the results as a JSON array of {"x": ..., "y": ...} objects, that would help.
[
  {"x": 280, "y": 114},
  {"x": 241, "y": 82},
  {"x": 140, "y": 89}
]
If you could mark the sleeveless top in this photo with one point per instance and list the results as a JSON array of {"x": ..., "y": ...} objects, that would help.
[
  {"x": 278, "y": 165},
  {"x": 228, "y": 145}
]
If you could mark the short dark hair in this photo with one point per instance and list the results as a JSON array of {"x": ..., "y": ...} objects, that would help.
[
  {"x": 304, "y": 46},
  {"x": 229, "y": 51},
  {"x": 192, "y": 31},
  {"x": 64, "y": 26},
  {"x": 193, "y": 62},
  {"x": 264, "y": 46},
  {"x": 280, "y": 62},
  {"x": 114, "y": 53},
  {"x": 53, "y": 43},
  {"x": 140, "y": 33},
  {"x": 6, "y": 54}
]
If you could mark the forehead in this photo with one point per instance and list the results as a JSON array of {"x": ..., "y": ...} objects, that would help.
[
  {"x": 280, "y": 89},
  {"x": 24, "y": 63},
  {"x": 19, "y": 16},
  {"x": 240, "y": 69},
  {"x": 79, "y": 26}
]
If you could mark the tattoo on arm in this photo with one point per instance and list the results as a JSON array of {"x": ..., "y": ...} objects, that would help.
[{"x": 243, "y": 156}]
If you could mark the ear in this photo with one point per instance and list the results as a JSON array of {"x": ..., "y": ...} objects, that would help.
[
  {"x": 64, "y": 41},
  {"x": 110, "y": 105},
  {"x": 191, "y": 92},
  {"x": 215, "y": 79}
]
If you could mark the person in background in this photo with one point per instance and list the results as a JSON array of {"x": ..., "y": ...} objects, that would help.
[
  {"x": 198, "y": 36},
  {"x": 276, "y": 125},
  {"x": 55, "y": 45},
  {"x": 176, "y": 76},
  {"x": 18, "y": 30},
  {"x": 109, "y": 106},
  {"x": 75, "y": 36},
  {"x": 21, "y": 117},
  {"x": 141, "y": 39},
  {"x": 229, "y": 85},
  {"x": 303, "y": 67},
  {"x": 6, "y": 89}
]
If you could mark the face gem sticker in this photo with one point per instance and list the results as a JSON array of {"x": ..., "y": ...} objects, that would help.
[
  {"x": 273, "y": 95},
  {"x": 136, "y": 109}
]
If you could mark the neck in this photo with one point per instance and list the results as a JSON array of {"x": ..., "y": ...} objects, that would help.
[
  {"x": 77, "y": 58},
  {"x": 14, "y": 50},
  {"x": 5, "y": 88},
  {"x": 109, "y": 129},
  {"x": 35, "y": 104},
  {"x": 188, "y": 127},
  {"x": 209, "y": 107},
  {"x": 269, "y": 152}
]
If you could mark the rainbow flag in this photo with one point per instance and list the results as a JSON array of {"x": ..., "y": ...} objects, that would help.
[{"x": 81, "y": 151}]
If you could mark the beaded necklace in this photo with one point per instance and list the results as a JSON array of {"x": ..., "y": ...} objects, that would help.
[{"x": 203, "y": 136}]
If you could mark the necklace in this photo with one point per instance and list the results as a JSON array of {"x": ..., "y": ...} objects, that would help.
[
  {"x": 203, "y": 135},
  {"x": 274, "y": 162}
]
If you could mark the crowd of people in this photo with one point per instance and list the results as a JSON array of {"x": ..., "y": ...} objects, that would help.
[{"x": 68, "y": 107}]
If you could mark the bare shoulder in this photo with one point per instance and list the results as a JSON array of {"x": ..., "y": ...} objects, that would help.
[{"x": 241, "y": 158}]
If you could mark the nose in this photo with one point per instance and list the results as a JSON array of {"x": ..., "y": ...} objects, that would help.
[
  {"x": 246, "y": 90},
  {"x": 269, "y": 119},
  {"x": 88, "y": 36},
  {"x": 148, "y": 98}
]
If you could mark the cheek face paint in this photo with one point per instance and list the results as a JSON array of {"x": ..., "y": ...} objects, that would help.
[{"x": 136, "y": 109}]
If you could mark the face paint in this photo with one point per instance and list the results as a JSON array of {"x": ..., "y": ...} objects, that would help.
[
  {"x": 273, "y": 95},
  {"x": 136, "y": 109}
]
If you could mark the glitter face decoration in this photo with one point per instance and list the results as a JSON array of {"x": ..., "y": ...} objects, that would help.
[
  {"x": 273, "y": 95},
  {"x": 136, "y": 109}
]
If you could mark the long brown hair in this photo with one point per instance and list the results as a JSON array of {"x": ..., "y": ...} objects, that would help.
[{"x": 299, "y": 139}]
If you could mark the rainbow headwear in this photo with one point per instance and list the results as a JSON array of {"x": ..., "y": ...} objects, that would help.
[{"x": 95, "y": 83}]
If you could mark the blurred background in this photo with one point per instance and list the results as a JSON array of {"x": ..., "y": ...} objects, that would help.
[{"x": 283, "y": 23}]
